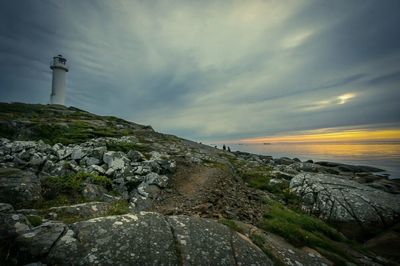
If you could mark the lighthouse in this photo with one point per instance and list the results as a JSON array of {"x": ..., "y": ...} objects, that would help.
[{"x": 60, "y": 69}]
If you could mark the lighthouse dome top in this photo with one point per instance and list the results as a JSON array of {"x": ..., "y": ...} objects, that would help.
[{"x": 59, "y": 62}]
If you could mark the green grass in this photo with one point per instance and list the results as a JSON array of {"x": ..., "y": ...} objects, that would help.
[{"x": 301, "y": 229}]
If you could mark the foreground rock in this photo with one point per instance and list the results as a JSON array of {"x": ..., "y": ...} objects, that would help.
[
  {"x": 344, "y": 201},
  {"x": 133, "y": 239}
]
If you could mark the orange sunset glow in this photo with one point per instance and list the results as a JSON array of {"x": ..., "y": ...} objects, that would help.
[{"x": 338, "y": 136}]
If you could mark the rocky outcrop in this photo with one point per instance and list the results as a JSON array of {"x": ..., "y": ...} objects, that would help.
[{"x": 337, "y": 199}]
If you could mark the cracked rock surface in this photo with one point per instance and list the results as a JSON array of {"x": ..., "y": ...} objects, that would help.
[
  {"x": 334, "y": 198},
  {"x": 144, "y": 238}
]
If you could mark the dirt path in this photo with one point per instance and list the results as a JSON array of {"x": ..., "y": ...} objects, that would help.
[{"x": 210, "y": 192}]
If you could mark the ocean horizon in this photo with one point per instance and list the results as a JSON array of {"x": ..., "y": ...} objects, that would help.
[{"x": 383, "y": 155}]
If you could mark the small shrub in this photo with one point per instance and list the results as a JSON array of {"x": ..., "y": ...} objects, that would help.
[{"x": 34, "y": 220}]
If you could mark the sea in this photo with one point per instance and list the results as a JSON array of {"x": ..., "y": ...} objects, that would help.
[{"x": 385, "y": 155}]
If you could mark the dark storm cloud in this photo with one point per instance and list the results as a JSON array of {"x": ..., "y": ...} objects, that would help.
[{"x": 211, "y": 69}]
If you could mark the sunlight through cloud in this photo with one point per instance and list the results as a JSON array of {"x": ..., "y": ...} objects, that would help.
[
  {"x": 345, "y": 98},
  {"x": 339, "y": 100},
  {"x": 296, "y": 39}
]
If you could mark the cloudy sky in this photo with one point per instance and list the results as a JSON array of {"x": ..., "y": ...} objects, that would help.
[{"x": 211, "y": 70}]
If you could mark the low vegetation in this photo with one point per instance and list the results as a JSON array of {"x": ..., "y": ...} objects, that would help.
[{"x": 302, "y": 230}]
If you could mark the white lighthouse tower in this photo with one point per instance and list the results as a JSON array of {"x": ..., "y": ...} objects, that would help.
[{"x": 60, "y": 69}]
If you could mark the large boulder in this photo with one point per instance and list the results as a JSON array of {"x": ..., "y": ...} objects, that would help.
[
  {"x": 152, "y": 239},
  {"x": 21, "y": 188},
  {"x": 344, "y": 201}
]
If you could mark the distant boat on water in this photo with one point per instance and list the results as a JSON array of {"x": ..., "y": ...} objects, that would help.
[{"x": 267, "y": 143}]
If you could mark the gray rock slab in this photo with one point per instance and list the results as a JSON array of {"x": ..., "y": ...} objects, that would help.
[{"x": 142, "y": 239}]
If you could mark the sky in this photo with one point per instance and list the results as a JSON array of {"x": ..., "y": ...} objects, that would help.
[{"x": 212, "y": 70}]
